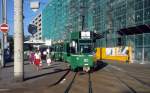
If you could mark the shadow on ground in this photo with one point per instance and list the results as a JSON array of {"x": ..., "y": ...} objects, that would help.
[
  {"x": 100, "y": 65},
  {"x": 44, "y": 74},
  {"x": 49, "y": 67},
  {"x": 59, "y": 80}
]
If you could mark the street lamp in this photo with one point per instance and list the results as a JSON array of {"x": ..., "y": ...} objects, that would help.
[{"x": 34, "y": 5}]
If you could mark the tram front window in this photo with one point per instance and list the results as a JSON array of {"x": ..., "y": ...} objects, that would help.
[{"x": 86, "y": 49}]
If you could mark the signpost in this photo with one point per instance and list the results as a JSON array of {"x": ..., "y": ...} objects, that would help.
[{"x": 4, "y": 28}]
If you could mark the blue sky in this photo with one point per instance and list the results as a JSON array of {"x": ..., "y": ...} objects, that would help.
[{"x": 28, "y": 13}]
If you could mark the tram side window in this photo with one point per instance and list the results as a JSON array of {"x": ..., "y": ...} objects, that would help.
[
  {"x": 72, "y": 50},
  {"x": 68, "y": 50}
]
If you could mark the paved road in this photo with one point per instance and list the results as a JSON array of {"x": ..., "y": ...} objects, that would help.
[
  {"x": 32, "y": 77},
  {"x": 108, "y": 78}
]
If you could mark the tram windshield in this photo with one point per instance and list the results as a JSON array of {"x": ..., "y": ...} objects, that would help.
[{"x": 86, "y": 49}]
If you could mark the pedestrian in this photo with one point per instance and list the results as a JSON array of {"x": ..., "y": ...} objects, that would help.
[
  {"x": 48, "y": 59},
  {"x": 37, "y": 60},
  {"x": 31, "y": 57},
  {"x": 44, "y": 53}
]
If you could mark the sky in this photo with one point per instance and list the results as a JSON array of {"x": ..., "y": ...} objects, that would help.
[{"x": 27, "y": 12}]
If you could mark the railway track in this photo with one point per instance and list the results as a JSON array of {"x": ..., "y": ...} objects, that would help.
[
  {"x": 57, "y": 82},
  {"x": 90, "y": 83},
  {"x": 133, "y": 77},
  {"x": 70, "y": 84},
  {"x": 128, "y": 78},
  {"x": 130, "y": 89},
  {"x": 73, "y": 80}
]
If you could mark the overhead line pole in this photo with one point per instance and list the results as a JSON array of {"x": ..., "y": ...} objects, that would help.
[
  {"x": 4, "y": 35},
  {"x": 18, "y": 40}
]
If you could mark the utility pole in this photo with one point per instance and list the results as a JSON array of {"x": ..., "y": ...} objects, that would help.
[
  {"x": 4, "y": 35},
  {"x": 18, "y": 40}
]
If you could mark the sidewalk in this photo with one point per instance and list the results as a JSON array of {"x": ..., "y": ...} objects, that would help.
[{"x": 32, "y": 77}]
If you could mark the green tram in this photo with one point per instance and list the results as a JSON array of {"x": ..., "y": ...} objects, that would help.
[
  {"x": 77, "y": 51},
  {"x": 56, "y": 51}
]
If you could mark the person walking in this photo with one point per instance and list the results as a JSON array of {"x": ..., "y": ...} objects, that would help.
[
  {"x": 37, "y": 60},
  {"x": 48, "y": 59},
  {"x": 31, "y": 57}
]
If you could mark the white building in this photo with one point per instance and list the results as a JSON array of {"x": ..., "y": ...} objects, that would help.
[{"x": 37, "y": 21}]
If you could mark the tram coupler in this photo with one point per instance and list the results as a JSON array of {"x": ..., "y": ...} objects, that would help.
[{"x": 86, "y": 68}]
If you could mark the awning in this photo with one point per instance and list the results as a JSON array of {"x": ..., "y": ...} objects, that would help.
[
  {"x": 37, "y": 42},
  {"x": 98, "y": 35},
  {"x": 135, "y": 30}
]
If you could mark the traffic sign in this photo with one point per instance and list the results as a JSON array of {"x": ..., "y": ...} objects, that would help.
[{"x": 4, "y": 27}]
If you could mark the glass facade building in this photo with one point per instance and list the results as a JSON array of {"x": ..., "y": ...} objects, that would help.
[
  {"x": 114, "y": 15},
  {"x": 55, "y": 19},
  {"x": 62, "y": 16},
  {"x": 104, "y": 16}
]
